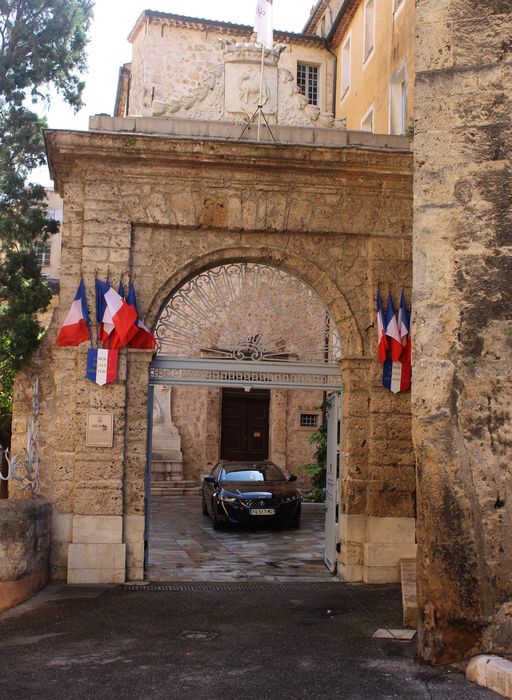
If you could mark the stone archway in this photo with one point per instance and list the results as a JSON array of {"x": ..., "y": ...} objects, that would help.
[
  {"x": 251, "y": 317},
  {"x": 161, "y": 209}
]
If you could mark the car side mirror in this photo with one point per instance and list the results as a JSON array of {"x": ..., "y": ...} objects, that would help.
[
  {"x": 292, "y": 477},
  {"x": 209, "y": 479}
]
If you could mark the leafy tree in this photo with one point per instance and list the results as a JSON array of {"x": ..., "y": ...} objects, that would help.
[
  {"x": 42, "y": 48},
  {"x": 317, "y": 470}
]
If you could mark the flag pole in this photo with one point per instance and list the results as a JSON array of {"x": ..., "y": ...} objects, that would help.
[{"x": 260, "y": 105}]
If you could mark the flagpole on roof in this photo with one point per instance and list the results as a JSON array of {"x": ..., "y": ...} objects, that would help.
[{"x": 260, "y": 105}]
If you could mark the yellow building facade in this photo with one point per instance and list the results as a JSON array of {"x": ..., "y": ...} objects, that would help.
[{"x": 374, "y": 43}]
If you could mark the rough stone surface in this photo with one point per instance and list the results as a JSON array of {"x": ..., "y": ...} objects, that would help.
[
  {"x": 462, "y": 299},
  {"x": 25, "y": 540}
]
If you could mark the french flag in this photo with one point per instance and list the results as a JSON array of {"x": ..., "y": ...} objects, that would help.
[
  {"x": 404, "y": 327},
  {"x": 382, "y": 341},
  {"x": 117, "y": 314},
  {"x": 392, "y": 330},
  {"x": 113, "y": 340},
  {"x": 76, "y": 326},
  {"x": 143, "y": 338}
]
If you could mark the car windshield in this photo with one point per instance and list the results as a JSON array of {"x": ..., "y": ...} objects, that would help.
[{"x": 251, "y": 472}]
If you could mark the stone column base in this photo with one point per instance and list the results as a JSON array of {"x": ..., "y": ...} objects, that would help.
[
  {"x": 371, "y": 548},
  {"x": 97, "y": 555}
]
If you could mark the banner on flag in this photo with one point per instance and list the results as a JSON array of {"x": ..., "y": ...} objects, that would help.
[
  {"x": 75, "y": 329},
  {"x": 102, "y": 366},
  {"x": 263, "y": 24}
]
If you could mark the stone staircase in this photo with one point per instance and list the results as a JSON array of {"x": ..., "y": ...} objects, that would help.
[{"x": 175, "y": 488}]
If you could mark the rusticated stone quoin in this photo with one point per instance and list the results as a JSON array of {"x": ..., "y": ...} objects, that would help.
[{"x": 462, "y": 393}]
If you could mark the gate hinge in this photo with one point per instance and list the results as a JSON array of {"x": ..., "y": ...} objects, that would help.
[{"x": 338, "y": 547}]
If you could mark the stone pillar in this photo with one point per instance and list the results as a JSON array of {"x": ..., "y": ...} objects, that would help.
[
  {"x": 277, "y": 426},
  {"x": 213, "y": 430},
  {"x": 462, "y": 389},
  {"x": 97, "y": 553},
  {"x": 377, "y": 525},
  {"x": 134, "y": 477}
]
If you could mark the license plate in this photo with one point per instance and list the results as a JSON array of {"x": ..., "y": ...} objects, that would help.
[{"x": 263, "y": 511}]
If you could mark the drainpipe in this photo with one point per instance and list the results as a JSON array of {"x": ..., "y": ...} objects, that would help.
[
  {"x": 334, "y": 77},
  {"x": 327, "y": 4}
]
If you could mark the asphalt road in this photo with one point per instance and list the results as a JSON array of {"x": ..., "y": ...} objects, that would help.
[{"x": 282, "y": 641}]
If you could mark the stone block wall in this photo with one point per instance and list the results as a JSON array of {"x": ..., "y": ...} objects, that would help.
[
  {"x": 463, "y": 329},
  {"x": 25, "y": 533}
]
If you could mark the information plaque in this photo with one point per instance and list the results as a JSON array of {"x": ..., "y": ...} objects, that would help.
[{"x": 100, "y": 430}]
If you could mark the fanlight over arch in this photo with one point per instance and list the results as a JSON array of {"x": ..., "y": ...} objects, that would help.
[{"x": 247, "y": 312}]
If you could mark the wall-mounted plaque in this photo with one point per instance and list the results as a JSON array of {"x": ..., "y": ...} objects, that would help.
[{"x": 100, "y": 430}]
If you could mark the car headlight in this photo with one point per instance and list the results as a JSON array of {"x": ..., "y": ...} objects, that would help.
[{"x": 228, "y": 499}]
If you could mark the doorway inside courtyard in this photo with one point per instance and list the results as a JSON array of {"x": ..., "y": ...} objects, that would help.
[{"x": 246, "y": 370}]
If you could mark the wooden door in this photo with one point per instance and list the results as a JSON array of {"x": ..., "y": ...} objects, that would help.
[{"x": 245, "y": 424}]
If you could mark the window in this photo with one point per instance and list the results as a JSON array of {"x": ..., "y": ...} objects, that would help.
[
  {"x": 398, "y": 101},
  {"x": 369, "y": 29},
  {"x": 43, "y": 251},
  {"x": 345, "y": 67},
  {"x": 367, "y": 121},
  {"x": 307, "y": 81},
  {"x": 308, "y": 420}
]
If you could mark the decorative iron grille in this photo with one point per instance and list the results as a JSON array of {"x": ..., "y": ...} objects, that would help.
[{"x": 247, "y": 312}]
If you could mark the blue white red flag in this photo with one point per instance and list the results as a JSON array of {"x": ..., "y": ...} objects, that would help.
[
  {"x": 382, "y": 341},
  {"x": 143, "y": 338},
  {"x": 392, "y": 331},
  {"x": 116, "y": 316},
  {"x": 75, "y": 329},
  {"x": 263, "y": 25},
  {"x": 403, "y": 321},
  {"x": 102, "y": 366},
  {"x": 404, "y": 326}
]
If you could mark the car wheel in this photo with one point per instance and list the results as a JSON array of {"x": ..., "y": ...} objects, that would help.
[
  {"x": 217, "y": 522},
  {"x": 296, "y": 519},
  {"x": 203, "y": 505}
]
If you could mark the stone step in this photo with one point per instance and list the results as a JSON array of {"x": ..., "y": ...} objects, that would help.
[
  {"x": 409, "y": 593},
  {"x": 175, "y": 493},
  {"x": 174, "y": 483}
]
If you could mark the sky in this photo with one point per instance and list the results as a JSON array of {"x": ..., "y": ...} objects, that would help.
[{"x": 109, "y": 48}]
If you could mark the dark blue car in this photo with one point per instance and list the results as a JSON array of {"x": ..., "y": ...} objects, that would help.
[{"x": 246, "y": 493}]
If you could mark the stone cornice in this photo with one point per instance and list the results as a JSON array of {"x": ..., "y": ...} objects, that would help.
[
  {"x": 69, "y": 149},
  {"x": 207, "y": 24}
]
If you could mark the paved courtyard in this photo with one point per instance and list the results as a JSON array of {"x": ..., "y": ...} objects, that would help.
[{"x": 184, "y": 547}]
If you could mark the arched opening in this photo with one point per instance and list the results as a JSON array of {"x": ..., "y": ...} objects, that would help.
[{"x": 247, "y": 368}]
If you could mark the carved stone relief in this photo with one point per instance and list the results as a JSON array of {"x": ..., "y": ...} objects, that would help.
[{"x": 231, "y": 92}]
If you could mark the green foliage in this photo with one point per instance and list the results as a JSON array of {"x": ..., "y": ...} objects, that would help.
[
  {"x": 317, "y": 469},
  {"x": 42, "y": 48}
]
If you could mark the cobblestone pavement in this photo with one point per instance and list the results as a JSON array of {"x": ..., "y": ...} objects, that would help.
[{"x": 184, "y": 547}]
